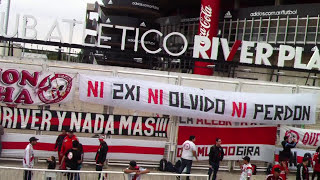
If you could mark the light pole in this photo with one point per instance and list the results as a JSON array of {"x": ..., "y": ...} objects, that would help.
[
  {"x": 74, "y": 23},
  {"x": 6, "y": 25}
]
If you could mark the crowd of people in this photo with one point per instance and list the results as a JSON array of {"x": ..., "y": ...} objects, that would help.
[
  {"x": 70, "y": 157},
  {"x": 71, "y": 154}
]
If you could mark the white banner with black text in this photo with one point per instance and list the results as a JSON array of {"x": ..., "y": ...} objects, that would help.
[{"x": 184, "y": 101}]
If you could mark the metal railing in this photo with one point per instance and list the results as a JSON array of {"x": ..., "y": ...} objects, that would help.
[{"x": 13, "y": 173}]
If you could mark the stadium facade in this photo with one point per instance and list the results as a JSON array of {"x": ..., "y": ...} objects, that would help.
[{"x": 276, "y": 22}]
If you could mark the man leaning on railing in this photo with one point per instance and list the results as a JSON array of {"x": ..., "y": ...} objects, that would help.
[{"x": 135, "y": 171}]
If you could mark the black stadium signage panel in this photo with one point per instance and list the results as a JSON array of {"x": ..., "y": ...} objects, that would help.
[
  {"x": 141, "y": 4},
  {"x": 301, "y": 10}
]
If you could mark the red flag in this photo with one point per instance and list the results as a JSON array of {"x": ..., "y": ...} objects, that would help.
[{"x": 208, "y": 26}]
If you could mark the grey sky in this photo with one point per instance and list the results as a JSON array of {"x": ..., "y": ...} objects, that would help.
[{"x": 46, "y": 12}]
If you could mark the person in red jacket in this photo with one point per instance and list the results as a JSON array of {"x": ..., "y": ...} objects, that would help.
[
  {"x": 316, "y": 166},
  {"x": 67, "y": 145},
  {"x": 283, "y": 168}
]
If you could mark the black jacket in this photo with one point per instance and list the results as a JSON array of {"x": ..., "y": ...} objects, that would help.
[
  {"x": 216, "y": 154},
  {"x": 101, "y": 155},
  {"x": 59, "y": 142},
  {"x": 286, "y": 152},
  {"x": 302, "y": 172},
  {"x": 51, "y": 164}
]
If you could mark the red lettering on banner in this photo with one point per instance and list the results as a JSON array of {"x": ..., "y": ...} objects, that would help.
[
  {"x": 232, "y": 151},
  {"x": 246, "y": 124},
  {"x": 10, "y": 76},
  {"x": 24, "y": 97},
  {"x": 94, "y": 89},
  {"x": 101, "y": 89},
  {"x": 6, "y": 94},
  {"x": 305, "y": 138},
  {"x": 203, "y": 151},
  {"x": 239, "y": 110},
  {"x": 317, "y": 139},
  {"x": 27, "y": 77},
  {"x": 310, "y": 139},
  {"x": 154, "y": 96},
  {"x": 213, "y": 122}
]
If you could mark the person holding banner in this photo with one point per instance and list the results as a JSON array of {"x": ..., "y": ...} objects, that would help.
[
  {"x": 215, "y": 156},
  {"x": 302, "y": 170},
  {"x": 287, "y": 146},
  {"x": 188, "y": 152},
  {"x": 316, "y": 165}
]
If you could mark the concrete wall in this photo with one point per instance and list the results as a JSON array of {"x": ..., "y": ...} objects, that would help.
[{"x": 205, "y": 82}]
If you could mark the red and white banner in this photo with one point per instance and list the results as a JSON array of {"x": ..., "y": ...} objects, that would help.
[
  {"x": 48, "y": 120},
  {"x": 237, "y": 142},
  {"x": 29, "y": 87},
  {"x": 208, "y": 27},
  {"x": 297, "y": 156},
  {"x": 305, "y": 137},
  {"x": 121, "y": 149},
  {"x": 198, "y": 103}
]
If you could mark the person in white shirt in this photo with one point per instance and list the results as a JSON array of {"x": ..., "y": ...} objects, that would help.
[
  {"x": 188, "y": 152},
  {"x": 135, "y": 171},
  {"x": 28, "y": 160},
  {"x": 246, "y": 169}
]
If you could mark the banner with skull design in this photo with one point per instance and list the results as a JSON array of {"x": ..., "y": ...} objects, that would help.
[
  {"x": 31, "y": 87},
  {"x": 306, "y": 138}
]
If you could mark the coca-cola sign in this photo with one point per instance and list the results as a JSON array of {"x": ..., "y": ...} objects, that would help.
[
  {"x": 205, "y": 20},
  {"x": 208, "y": 27}
]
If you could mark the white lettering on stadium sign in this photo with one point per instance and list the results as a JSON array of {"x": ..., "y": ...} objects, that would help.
[{"x": 250, "y": 52}]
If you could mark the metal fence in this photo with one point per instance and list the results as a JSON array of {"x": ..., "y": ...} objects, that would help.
[{"x": 13, "y": 173}]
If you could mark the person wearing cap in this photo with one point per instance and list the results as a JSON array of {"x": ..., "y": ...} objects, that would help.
[
  {"x": 283, "y": 168},
  {"x": 28, "y": 159},
  {"x": 302, "y": 170},
  {"x": 135, "y": 171},
  {"x": 246, "y": 169},
  {"x": 275, "y": 175},
  {"x": 101, "y": 155},
  {"x": 59, "y": 142},
  {"x": 67, "y": 145}
]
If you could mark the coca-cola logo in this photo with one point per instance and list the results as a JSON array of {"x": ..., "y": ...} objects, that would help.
[{"x": 205, "y": 20}]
